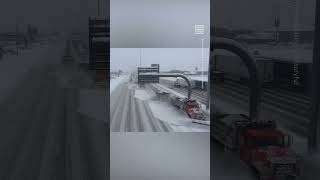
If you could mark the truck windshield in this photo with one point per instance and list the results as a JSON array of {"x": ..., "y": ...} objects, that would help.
[
  {"x": 265, "y": 141},
  {"x": 193, "y": 104}
]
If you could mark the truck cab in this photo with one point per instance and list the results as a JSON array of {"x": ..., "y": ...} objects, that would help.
[
  {"x": 267, "y": 152},
  {"x": 192, "y": 108}
]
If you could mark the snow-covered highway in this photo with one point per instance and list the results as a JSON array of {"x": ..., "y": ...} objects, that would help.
[
  {"x": 130, "y": 114},
  {"x": 141, "y": 109}
]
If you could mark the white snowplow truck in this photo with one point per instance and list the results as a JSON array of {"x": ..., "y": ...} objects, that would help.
[
  {"x": 260, "y": 144},
  {"x": 189, "y": 106}
]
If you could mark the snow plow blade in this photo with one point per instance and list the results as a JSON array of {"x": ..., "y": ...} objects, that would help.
[{"x": 201, "y": 122}]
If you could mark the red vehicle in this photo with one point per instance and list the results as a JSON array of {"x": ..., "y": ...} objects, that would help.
[
  {"x": 262, "y": 146},
  {"x": 190, "y": 106},
  {"x": 266, "y": 150}
]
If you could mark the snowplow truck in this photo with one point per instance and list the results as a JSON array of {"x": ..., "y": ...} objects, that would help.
[
  {"x": 260, "y": 143},
  {"x": 189, "y": 106}
]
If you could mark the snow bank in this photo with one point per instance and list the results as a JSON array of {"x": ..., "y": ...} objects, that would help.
[
  {"x": 176, "y": 119},
  {"x": 169, "y": 90},
  {"x": 144, "y": 94},
  {"x": 116, "y": 81},
  {"x": 192, "y": 77},
  {"x": 199, "y": 78},
  {"x": 173, "y": 92}
]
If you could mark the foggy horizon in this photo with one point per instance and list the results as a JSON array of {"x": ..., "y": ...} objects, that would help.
[
  {"x": 49, "y": 15},
  {"x": 65, "y": 16},
  {"x": 128, "y": 59},
  {"x": 240, "y": 14}
]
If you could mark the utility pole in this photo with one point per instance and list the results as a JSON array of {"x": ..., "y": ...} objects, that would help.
[
  {"x": 276, "y": 26},
  {"x": 98, "y": 8},
  {"x": 202, "y": 59},
  {"x": 209, "y": 78},
  {"x": 140, "y": 57},
  {"x": 17, "y": 32},
  {"x": 313, "y": 139}
]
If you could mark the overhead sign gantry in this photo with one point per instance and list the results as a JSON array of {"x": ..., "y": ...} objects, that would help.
[{"x": 155, "y": 68}]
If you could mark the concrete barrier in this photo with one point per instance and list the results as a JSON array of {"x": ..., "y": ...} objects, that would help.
[{"x": 86, "y": 144}]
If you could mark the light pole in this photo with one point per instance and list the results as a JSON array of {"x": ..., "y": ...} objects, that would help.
[
  {"x": 140, "y": 57},
  {"x": 313, "y": 138},
  {"x": 202, "y": 59},
  {"x": 98, "y": 8}
]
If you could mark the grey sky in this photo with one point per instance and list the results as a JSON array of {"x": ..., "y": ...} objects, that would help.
[
  {"x": 52, "y": 15},
  {"x": 147, "y": 24},
  {"x": 48, "y": 15},
  {"x": 128, "y": 59},
  {"x": 157, "y": 23},
  {"x": 259, "y": 14}
]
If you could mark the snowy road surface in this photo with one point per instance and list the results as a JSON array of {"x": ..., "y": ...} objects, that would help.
[
  {"x": 13, "y": 68},
  {"x": 289, "y": 109},
  {"x": 135, "y": 109},
  {"x": 115, "y": 82},
  {"x": 130, "y": 114},
  {"x": 42, "y": 134}
]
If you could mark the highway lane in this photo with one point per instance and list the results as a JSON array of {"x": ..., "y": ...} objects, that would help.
[
  {"x": 16, "y": 67},
  {"x": 130, "y": 114},
  {"x": 42, "y": 134},
  {"x": 18, "y": 119}
]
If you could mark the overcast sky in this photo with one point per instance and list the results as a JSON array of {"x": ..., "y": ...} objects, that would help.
[
  {"x": 259, "y": 14},
  {"x": 128, "y": 59},
  {"x": 52, "y": 15},
  {"x": 158, "y": 23},
  {"x": 49, "y": 15},
  {"x": 166, "y": 23}
]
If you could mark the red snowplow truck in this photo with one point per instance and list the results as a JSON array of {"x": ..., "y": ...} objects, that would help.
[
  {"x": 261, "y": 145},
  {"x": 190, "y": 106}
]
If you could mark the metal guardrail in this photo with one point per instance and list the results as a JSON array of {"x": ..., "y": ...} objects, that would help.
[{"x": 171, "y": 75}]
